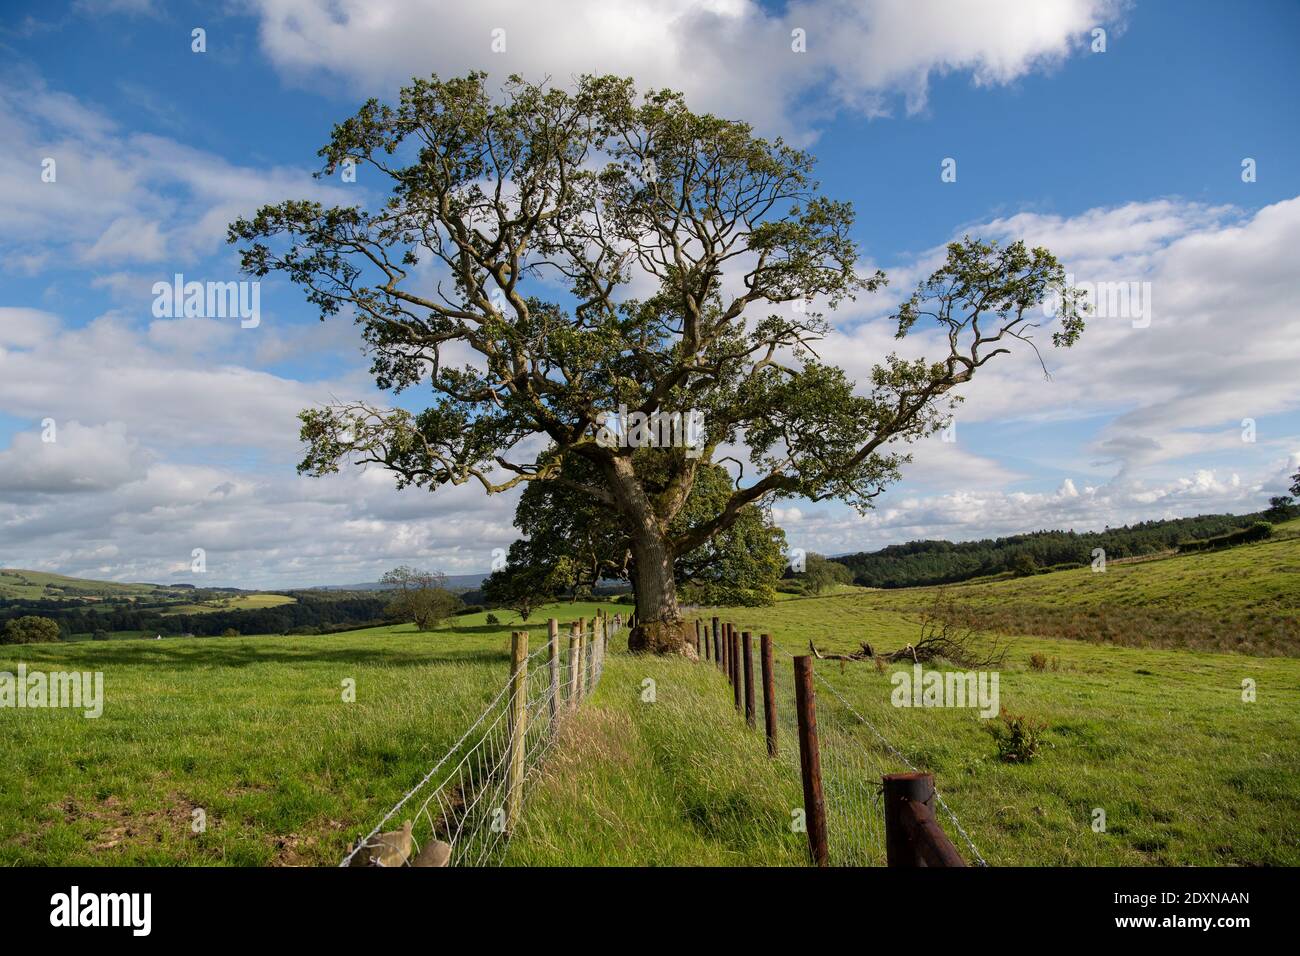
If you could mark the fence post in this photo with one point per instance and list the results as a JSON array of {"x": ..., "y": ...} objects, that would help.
[
  {"x": 912, "y": 835},
  {"x": 583, "y": 651},
  {"x": 553, "y": 661},
  {"x": 769, "y": 692},
  {"x": 573, "y": 667},
  {"x": 749, "y": 677},
  {"x": 735, "y": 667},
  {"x": 702, "y": 639},
  {"x": 810, "y": 761},
  {"x": 726, "y": 650},
  {"x": 717, "y": 645},
  {"x": 518, "y": 725}
]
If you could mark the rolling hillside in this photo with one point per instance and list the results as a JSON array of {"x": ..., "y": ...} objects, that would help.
[{"x": 253, "y": 731}]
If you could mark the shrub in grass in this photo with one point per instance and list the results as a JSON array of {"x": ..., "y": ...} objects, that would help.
[
  {"x": 1018, "y": 736},
  {"x": 30, "y": 629},
  {"x": 491, "y": 619},
  {"x": 1041, "y": 662}
]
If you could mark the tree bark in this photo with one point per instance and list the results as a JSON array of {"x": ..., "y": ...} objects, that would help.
[{"x": 660, "y": 627}]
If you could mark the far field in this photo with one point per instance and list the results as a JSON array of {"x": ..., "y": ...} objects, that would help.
[{"x": 254, "y": 731}]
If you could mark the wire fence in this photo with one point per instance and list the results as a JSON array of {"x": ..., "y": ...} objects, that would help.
[
  {"x": 466, "y": 806},
  {"x": 855, "y": 754}
]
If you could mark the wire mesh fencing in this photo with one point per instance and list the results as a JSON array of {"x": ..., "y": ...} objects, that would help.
[
  {"x": 854, "y": 726},
  {"x": 462, "y": 812}
]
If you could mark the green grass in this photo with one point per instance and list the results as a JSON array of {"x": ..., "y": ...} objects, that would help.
[
  {"x": 253, "y": 730},
  {"x": 1160, "y": 739},
  {"x": 36, "y": 585},
  {"x": 1244, "y": 599},
  {"x": 239, "y": 602}
]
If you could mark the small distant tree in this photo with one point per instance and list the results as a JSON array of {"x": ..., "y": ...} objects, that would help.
[
  {"x": 230, "y": 632},
  {"x": 30, "y": 630},
  {"x": 1295, "y": 483},
  {"x": 422, "y": 597},
  {"x": 521, "y": 587},
  {"x": 1281, "y": 508},
  {"x": 100, "y": 635},
  {"x": 1023, "y": 564},
  {"x": 820, "y": 574}
]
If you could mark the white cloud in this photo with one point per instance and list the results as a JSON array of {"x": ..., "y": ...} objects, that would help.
[
  {"x": 1223, "y": 341},
  {"x": 733, "y": 57},
  {"x": 71, "y": 458}
]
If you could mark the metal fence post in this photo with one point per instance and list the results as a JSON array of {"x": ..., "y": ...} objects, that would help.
[
  {"x": 749, "y": 678},
  {"x": 810, "y": 761},
  {"x": 769, "y": 692}
]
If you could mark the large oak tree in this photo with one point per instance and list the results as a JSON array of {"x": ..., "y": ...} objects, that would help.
[{"x": 588, "y": 249}]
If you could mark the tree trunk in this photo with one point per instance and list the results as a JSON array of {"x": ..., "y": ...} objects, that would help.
[{"x": 660, "y": 628}]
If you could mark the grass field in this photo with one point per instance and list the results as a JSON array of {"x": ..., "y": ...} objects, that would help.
[
  {"x": 1244, "y": 599},
  {"x": 17, "y": 584},
  {"x": 238, "y": 602},
  {"x": 253, "y": 731}
]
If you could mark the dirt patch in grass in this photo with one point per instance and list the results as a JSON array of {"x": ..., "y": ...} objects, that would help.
[{"x": 116, "y": 823}]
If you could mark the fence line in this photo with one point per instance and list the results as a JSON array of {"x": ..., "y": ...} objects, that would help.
[
  {"x": 472, "y": 797},
  {"x": 852, "y": 771}
]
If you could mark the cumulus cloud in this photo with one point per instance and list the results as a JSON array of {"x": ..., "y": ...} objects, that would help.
[
  {"x": 735, "y": 57},
  {"x": 71, "y": 458},
  {"x": 119, "y": 198},
  {"x": 1220, "y": 345}
]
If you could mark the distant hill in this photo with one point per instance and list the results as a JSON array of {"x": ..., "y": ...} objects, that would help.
[
  {"x": 19, "y": 584},
  {"x": 919, "y": 563},
  {"x": 455, "y": 582}
]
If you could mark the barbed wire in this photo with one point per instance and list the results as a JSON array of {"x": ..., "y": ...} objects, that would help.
[{"x": 851, "y": 788}]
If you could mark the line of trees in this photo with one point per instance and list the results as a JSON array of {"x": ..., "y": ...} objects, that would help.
[
  {"x": 944, "y": 562},
  {"x": 310, "y": 611}
]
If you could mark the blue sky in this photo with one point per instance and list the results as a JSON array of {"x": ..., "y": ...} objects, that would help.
[{"x": 179, "y": 433}]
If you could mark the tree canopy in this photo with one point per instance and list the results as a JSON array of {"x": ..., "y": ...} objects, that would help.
[{"x": 583, "y": 250}]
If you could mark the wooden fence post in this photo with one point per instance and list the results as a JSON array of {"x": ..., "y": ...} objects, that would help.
[
  {"x": 726, "y": 650},
  {"x": 912, "y": 835},
  {"x": 769, "y": 692},
  {"x": 573, "y": 667},
  {"x": 702, "y": 639},
  {"x": 749, "y": 677},
  {"x": 553, "y": 661},
  {"x": 583, "y": 651},
  {"x": 810, "y": 761},
  {"x": 735, "y": 668},
  {"x": 717, "y": 645},
  {"x": 518, "y": 726}
]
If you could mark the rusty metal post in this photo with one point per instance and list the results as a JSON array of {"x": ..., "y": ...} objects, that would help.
[
  {"x": 769, "y": 692},
  {"x": 810, "y": 761},
  {"x": 749, "y": 678},
  {"x": 736, "y": 676},
  {"x": 913, "y": 837}
]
